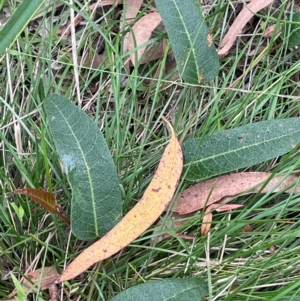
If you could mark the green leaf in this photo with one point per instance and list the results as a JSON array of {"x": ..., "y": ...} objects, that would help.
[
  {"x": 195, "y": 54},
  {"x": 17, "y": 21},
  {"x": 96, "y": 202},
  {"x": 237, "y": 148},
  {"x": 292, "y": 31},
  {"x": 165, "y": 290}
]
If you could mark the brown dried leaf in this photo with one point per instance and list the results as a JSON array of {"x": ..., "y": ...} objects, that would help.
[
  {"x": 269, "y": 31},
  {"x": 209, "y": 192},
  {"x": 53, "y": 292},
  {"x": 141, "y": 33},
  {"x": 242, "y": 19},
  {"x": 131, "y": 10},
  {"x": 154, "y": 201},
  {"x": 42, "y": 197},
  {"x": 206, "y": 222},
  {"x": 226, "y": 207},
  {"x": 45, "y": 199},
  {"x": 43, "y": 278},
  {"x": 93, "y": 60}
]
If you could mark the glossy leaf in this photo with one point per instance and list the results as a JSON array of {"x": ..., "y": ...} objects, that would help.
[
  {"x": 166, "y": 290},
  {"x": 96, "y": 202},
  {"x": 45, "y": 199},
  {"x": 156, "y": 198},
  {"x": 17, "y": 21},
  {"x": 241, "y": 147},
  {"x": 195, "y": 54}
]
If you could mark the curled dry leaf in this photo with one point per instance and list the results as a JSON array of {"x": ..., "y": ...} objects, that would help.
[
  {"x": 206, "y": 222},
  {"x": 41, "y": 278},
  {"x": 154, "y": 201},
  {"x": 45, "y": 199},
  {"x": 239, "y": 23},
  {"x": 210, "y": 192}
]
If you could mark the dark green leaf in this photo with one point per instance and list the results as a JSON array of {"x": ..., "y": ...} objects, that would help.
[
  {"x": 96, "y": 202},
  {"x": 17, "y": 21},
  {"x": 292, "y": 31},
  {"x": 165, "y": 290},
  {"x": 195, "y": 54},
  {"x": 237, "y": 148}
]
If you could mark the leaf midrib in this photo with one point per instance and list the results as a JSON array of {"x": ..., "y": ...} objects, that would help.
[
  {"x": 88, "y": 173},
  {"x": 239, "y": 149},
  {"x": 192, "y": 49}
]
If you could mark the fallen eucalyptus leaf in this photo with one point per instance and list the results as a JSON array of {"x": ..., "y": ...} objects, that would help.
[
  {"x": 42, "y": 278},
  {"x": 237, "y": 26},
  {"x": 141, "y": 33},
  {"x": 214, "y": 190},
  {"x": 189, "y": 289},
  {"x": 228, "y": 150},
  {"x": 96, "y": 197}
]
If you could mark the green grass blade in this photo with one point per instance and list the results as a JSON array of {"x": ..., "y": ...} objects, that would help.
[
  {"x": 240, "y": 147},
  {"x": 96, "y": 201},
  {"x": 16, "y": 23},
  {"x": 196, "y": 57}
]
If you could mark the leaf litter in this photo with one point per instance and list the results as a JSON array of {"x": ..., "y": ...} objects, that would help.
[
  {"x": 154, "y": 201},
  {"x": 211, "y": 193},
  {"x": 39, "y": 279},
  {"x": 141, "y": 33},
  {"x": 132, "y": 8},
  {"x": 239, "y": 23},
  {"x": 45, "y": 199}
]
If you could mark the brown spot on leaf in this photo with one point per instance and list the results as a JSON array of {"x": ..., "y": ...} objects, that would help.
[{"x": 156, "y": 189}]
